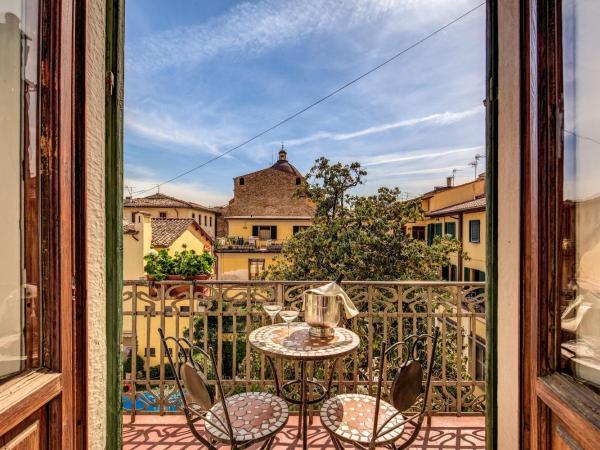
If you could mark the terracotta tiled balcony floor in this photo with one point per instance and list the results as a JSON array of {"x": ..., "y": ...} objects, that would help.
[{"x": 171, "y": 432}]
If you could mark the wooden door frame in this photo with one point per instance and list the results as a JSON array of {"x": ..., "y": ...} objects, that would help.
[
  {"x": 544, "y": 391},
  {"x": 58, "y": 385},
  {"x": 115, "y": 35}
]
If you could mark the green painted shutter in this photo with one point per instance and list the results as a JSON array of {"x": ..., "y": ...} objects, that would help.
[
  {"x": 438, "y": 229},
  {"x": 273, "y": 232},
  {"x": 467, "y": 276},
  {"x": 450, "y": 228},
  {"x": 254, "y": 230},
  {"x": 430, "y": 229}
]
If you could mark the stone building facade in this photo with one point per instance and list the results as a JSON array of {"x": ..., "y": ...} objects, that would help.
[{"x": 262, "y": 214}]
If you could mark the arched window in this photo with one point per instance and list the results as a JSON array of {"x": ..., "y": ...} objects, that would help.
[
  {"x": 241, "y": 181},
  {"x": 298, "y": 181}
]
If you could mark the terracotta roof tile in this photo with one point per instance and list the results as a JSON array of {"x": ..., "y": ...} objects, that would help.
[
  {"x": 477, "y": 204},
  {"x": 162, "y": 201},
  {"x": 166, "y": 231}
]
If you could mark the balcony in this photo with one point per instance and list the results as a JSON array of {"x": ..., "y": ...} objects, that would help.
[
  {"x": 223, "y": 313},
  {"x": 252, "y": 244}
]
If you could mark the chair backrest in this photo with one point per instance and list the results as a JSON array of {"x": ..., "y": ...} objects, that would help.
[
  {"x": 192, "y": 383},
  {"x": 408, "y": 381}
]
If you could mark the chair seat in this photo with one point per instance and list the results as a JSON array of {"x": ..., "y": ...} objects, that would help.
[
  {"x": 253, "y": 415},
  {"x": 350, "y": 418}
]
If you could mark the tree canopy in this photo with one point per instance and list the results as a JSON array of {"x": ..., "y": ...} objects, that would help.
[{"x": 363, "y": 237}]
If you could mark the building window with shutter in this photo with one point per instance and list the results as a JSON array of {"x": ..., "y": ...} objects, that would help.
[
  {"x": 265, "y": 232},
  {"x": 467, "y": 274},
  {"x": 418, "y": 233},
  {"x": 193, "y": 215},
  {"x": 433, "y": 229},
  {"x": 298, "y": 228},
  {"x": 256, "y": 267},
  {"x": 204, "y": 220},
  {"x": 210, "y": 221},
  {"x": 150, "y": 351},
  {"x": 446, "y": 273},
  {"x": 453, "y": 272},
  {"x": 450, "y": 228},
  {"x": 474, "y": 231},
  {"x": 162, "y": 214}
]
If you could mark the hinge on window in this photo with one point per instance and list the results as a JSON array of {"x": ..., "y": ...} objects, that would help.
[{"x": 110, "y": 83}]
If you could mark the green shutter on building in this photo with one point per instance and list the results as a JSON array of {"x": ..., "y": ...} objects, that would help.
[
  {"x": 467, "y": 276},
  {"x": 430, "y": 230},
  {"x": 255, "y": 230},
  {"x": 274, "y": 232},
  {"x": 450, "y": 228}
]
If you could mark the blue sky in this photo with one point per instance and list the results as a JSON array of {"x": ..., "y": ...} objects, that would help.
[{"x": 206, "y": 75}]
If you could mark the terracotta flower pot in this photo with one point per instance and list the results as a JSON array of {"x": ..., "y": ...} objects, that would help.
[
  {"x": 176, "y": 291},
  {"x": 203, "y": 290}
]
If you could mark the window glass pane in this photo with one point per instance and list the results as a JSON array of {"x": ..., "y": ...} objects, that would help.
[
  {"x": 19, "y": 200},
  {"x": 579, "y": 209}
]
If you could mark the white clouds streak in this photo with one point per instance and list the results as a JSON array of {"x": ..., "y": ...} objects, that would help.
[
  {"x": 252, "y": 28},
  {"x": 436, "y": 119},
  {"x": 163, "y": 130},
  {"x": 394, "y": 158}
]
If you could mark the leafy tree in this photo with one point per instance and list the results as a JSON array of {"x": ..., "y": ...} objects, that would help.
[{"x": 363, "y": 237}]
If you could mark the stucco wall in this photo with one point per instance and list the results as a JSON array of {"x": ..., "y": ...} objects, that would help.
[
  {"x": 285, "y": 228},
  {"x": 96, "y": 289},
  {"x": 234, "y": 266}
]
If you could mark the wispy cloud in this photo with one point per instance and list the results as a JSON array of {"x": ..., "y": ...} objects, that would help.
[
  {"x": 253, "y": 28},
  {"x": 422, "y": 154},
  {"x": 162, "y": 129},
  {"x": 427, "y": 170},
  {"x": 444, "y": 118},
  {"x": 191, "y": 191}
]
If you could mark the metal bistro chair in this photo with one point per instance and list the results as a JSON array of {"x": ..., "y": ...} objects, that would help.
[
  {"x": 240, "y": 420},
  {"x": 369, "y": 422}
]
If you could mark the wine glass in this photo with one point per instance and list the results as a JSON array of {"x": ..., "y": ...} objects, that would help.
[
  {"x": 289, "y": 315},
  {"x": 272, "y": 309}
]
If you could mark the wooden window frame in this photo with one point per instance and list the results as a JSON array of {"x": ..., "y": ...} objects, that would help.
[
  {"x": 546, "y": 394},
  {"x": 57, "y": 388},
  {"x": 255, "y": 260}
]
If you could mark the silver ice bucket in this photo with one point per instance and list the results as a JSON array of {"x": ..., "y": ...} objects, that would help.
[{"x": 322, "y": 313}]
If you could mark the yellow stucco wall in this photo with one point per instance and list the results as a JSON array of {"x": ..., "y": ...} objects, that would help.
[
  {"x": 191, "y": 239},
  {"x": 475, "y": 251},
  {"x": 140, "y": 244},
  {"x": 134, "y": 249},
  {"x": 455, "y": 195},
  {"x": 285, "y": 227},
  {"x": 234, "y": 266}
]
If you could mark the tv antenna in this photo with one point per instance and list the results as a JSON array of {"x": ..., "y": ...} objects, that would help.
[
  {"x": 475, "y": 163},
  {"x": 454, "y": 175}
]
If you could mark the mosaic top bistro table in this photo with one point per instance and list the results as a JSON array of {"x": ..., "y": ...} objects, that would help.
[{"x": 275, "y": 342}]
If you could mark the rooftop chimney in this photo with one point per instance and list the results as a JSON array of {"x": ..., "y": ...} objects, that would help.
[{"x": 449, "y": 182}]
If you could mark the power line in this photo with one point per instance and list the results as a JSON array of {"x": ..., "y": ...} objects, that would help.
[{"x": 317, "y": 102}]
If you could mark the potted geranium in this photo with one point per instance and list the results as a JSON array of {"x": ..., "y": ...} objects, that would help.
[
  {"x": 184, "y": 265},
  {"x": 193, "y": 266}
]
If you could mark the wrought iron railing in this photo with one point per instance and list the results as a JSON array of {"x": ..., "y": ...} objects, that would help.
[{"x": 223, "y": 313}]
